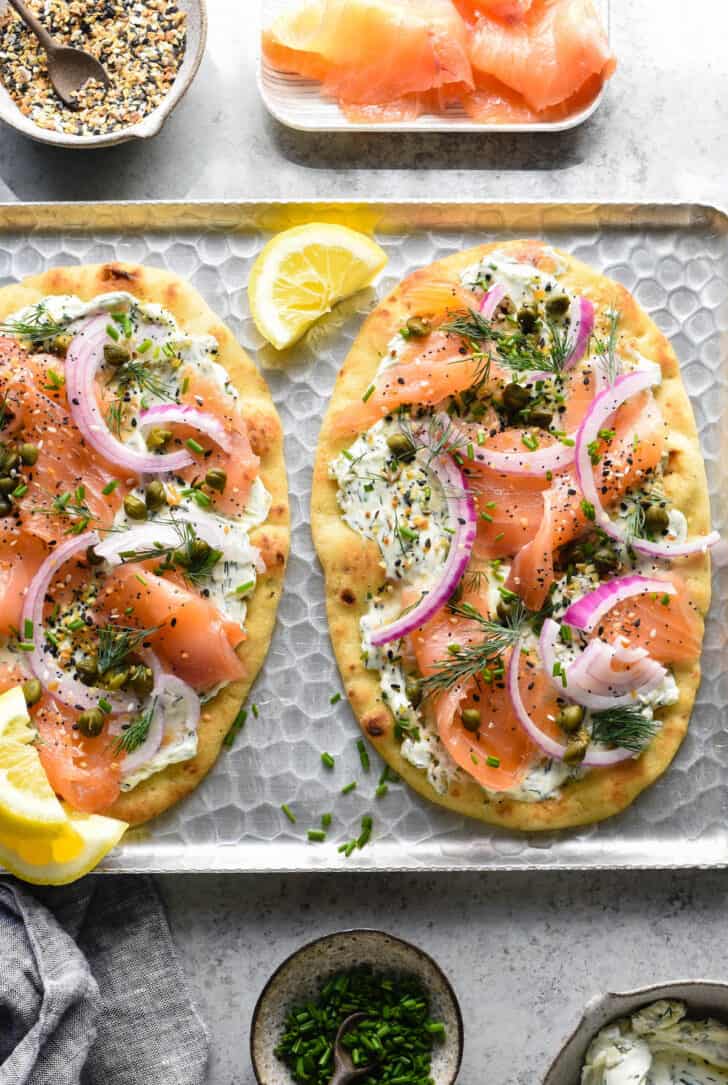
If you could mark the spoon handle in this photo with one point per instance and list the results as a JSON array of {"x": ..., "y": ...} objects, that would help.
[{"x": 35, "y": 25}]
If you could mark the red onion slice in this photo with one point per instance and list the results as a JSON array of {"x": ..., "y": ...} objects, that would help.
[
  {"x": 550, "y": 746},
  {"x": 62, "y": 686},
  {"x": 160, "y": 534},
  {"x": 552, "y": 458},
  {"x": 600, "y": 410},
  {"x": 85, "y": 355},
  {"x": 461, "y": 509},
  {"x": 189, "y": 416},
  {"x": 587, "y": 612},
  {"x": 491, "y": 300},
  {"x": 581, "y": 326}
]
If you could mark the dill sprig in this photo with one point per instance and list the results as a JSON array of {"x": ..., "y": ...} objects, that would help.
[
  {"x": 135, "y": 735},
  {"x": 37, "y": 327},
  {"x": 606, "y": 349},
  {"x": 132, "y": 376},
  {"x": 117, "y": 642},
  {"x": 465, "y": 662},
  {"x": 516, "y": 350},
  {"x": 71, "y": 506},
  {"x": 625, "y": 726},
  {"x": 189, "y": 554}
]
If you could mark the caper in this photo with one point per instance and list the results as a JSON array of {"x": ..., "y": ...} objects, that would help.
[
  {"x": 115, "y": 355},
  {"x": 418, "y": 327},
  {"x": 541, "y": 418},
  {"x": 657, "y": 519},
  {"x": 199, "y": 551},
  {"x": 216, "y": 479},
  {"x": 141, "y": 680},
  {"x": 5, "y": 506},
  {"x": 558, "y": 306},
  {"x": 134, "y": 507},
  {"x": 180, "y": 557},
  {"x": 527, "y": 320},
  {"x": 115, "y": 678},
  {"x": 28, "y": 454},
  {"x": 516, "y": 397},
  {"x": 605, "y": 560},
  {"x": 576, "y": 749},
  {"x": 91, "y": 722},
  {"x": 570, "y": 718},
  {"x": 504, "y": 610},
  {"x": 471, "y": 719},
  {"x": 158, "y": 438},
  {"x": 7, "y": 485},
  {"x": 88, "y": 669},
  {"x": 32, "y": 691},
  {"x": 92, "y": 557},
  {"x": 11, "y": 460},
  {"x": 401, "y": 447},
  {"x": 61, "y": 343},
  {"x": 413, "y": 689},
  {"x": 154, "y": 495}
]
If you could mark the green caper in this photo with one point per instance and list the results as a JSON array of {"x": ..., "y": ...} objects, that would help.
[
  {"x": 576, "y": 749},
  {"x": 418, "y": 327},
  {"x": 88, "y": 669},
  {"x": 527, "y": 320},
  {"x": 60, "y": 343},
  {"x": 504, "y": 610},
  {"x": 92, "y": 557},
  {"x": 605, "y": 560},
  {"x": 657, "y": 519},
  {"x": 7, "y": 485},
  {"x": 401, "y": 447},
  {"x": 557, "y": 307},
  {"x": 516, "y": 397},
  {"x": 180, "y": 557},
  {"x": 541, "y": 418},
  {"x": 116, "y": 355},
  {"x": 134, "y": 507},
  {"x": 157, "y": 439},
  {"x": 199, "y": 551},
  {"x": 91, "y": 722},
  {"x": 11, "y": 460},
  {"x": 154, "y": 495},
  {"x": 471, "y": 719},
  {"x": 413, "y": 689},
  {"x": 570, "y": 718},
  {"x": 32, "y": 691},
  {"x": 5, "y": 506},
  {"x": 216, "y": 479},
  {"x": 28, "y": 454},
  {"x": 141, "y": 680},
  {"x": 115, "y": 678}
]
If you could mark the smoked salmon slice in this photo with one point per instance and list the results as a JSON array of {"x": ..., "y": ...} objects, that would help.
[
  {"x": 667, "y": 626},
  {"x": 86, "y": 772}
]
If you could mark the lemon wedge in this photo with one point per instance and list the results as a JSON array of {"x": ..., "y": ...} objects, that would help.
[
  {"x": 14, "y": 718},
  {"x": 27, "y": 799},
  {"x": 61, "y": 857},
  {"x": 303, "y": 272}
]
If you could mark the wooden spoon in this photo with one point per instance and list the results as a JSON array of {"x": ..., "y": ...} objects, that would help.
[
  {"x": 68, "y": 68},
  {"x": 344, "y": 1069}
]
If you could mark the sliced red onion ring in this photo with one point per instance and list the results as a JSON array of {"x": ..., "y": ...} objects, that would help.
[
  {"x": 581, "y": 326},
  {"x": 166, "y": 687},
  {"x": 600, "y": 410},
  {"x": 550, "y": 746},
  {"x": 45, "y": 667},
  {"x": 553, "y": 458},
  {"x": 85, "y": 355},
  {"x": 587, "y": 612},
  {"x": 491, "y": 300},
  {"x": 461, "y": 509},
  {"x": 189, "y": 416}
]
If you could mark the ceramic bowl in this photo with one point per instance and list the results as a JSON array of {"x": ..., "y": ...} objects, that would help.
[
  {"x": 299, "y": 977},
  {"x": 196, "y": 11},
  {"x": 704, "y": 998}
]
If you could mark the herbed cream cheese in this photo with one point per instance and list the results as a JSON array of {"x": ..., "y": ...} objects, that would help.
[{"x": 659, "y": 1045}]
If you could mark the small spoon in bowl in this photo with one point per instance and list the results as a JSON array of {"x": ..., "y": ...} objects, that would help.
[
  {"x": 68, "y": 68},
  {"x": 344, "y": 1069}
]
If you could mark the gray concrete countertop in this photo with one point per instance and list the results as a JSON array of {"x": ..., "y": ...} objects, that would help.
[{"x": 524, "y": 951}]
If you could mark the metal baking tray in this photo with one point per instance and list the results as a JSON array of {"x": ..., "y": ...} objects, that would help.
[
  {"x": 675, "y": 260},
  {"x": 298, "y": 103}
]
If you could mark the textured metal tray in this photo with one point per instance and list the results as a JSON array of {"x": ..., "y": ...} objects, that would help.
[
  {"x": 298, "y": 103},
  {"x": 675, "y": 260}
]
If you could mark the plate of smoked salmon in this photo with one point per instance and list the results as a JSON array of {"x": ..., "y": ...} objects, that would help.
[
  {"x": 511, "y": 510},
  {"x": 144, "y": 531},
  {"x": 434, "y": 65}
]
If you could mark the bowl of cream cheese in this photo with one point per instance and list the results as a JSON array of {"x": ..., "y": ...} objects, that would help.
[{"x": 666, "y": 1034}]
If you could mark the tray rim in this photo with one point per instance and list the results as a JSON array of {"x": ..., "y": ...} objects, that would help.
[{"x": 693, "y": 211}]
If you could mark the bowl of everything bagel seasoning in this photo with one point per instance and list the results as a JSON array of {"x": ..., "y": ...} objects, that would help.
[{"x": 151, "y": 50}]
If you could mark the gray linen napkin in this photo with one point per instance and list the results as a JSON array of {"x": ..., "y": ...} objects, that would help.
[{"x": 91, "y": 988}]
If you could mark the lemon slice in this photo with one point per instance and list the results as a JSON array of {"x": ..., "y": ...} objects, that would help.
[
  {"x": 61, "y": 857},
  {"x": 14, "y": 718},
  {"x": 303, "y": 272},
  {"x": 27, "y": 800}
]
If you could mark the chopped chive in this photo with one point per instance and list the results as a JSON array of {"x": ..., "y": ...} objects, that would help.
[
  {"x": 363, "y": 754},
  {"x": 185, "y": 385},
  {"x": 369, "y": 392},
  {"x": 487, "y": 517},
  {"x": 348, "y": 788},
  {"x": 20, "y": 490},
  {"x": 144, "y": 346},
  {"x": 381, "y": 790},
  {"x": 104, "y": 705},
  {"x": 77, "y": 623},
  {"x": 243, "y": 588},
  {"x": 588, "y": 509},
  {"x": 289, "y": 813},
  {"x": 334, "y": 698},
  {"x": 28, "y": 629},
  {"x": 236, "y": 726},
  {"x": 494, "y": 762},
  {"x": 530, "y": 441},
  {"x": 194, "y": 446},
  {"x": 499, "y": 536},
  {"x": 480, "y": 437},
  {"x": 254, "y": 710},
  {"x": 327, "y": 760},
  {"x": 471, "y": 451},
  {"x": 112, "y": 332},
  {"x": 407, "y": 533},
  {"x": 316, "y": 836},
  {"x": 326, "y": 820},
  {"x": 25, "y": 646},
  {"x": 366, "y": 831},
  {"x": 110, "y": 487}
]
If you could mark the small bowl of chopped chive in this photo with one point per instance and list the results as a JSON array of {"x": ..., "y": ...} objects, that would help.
[
  {"x": 151, "y": 51},
  {"x": 412, "y": 1033}
]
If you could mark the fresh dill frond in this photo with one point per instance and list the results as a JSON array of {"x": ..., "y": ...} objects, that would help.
[
  {"x": 189, "y": 554},
  {"x": 117, "y": 642},
  {"x": 135, "y": 735},
  {"x": 606, "y": 349},
  {"x": 37, "y": 327},
  {"x": 138, "y": 376},
  {"x": 71, "y": 506},
  {"x": 516, "y": 350},
  {"x": 469, "y": 661},
  {"x": 625, "y": 726}
]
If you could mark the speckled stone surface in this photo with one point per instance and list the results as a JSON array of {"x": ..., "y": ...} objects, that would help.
[{"x": 524, "y": 951}]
